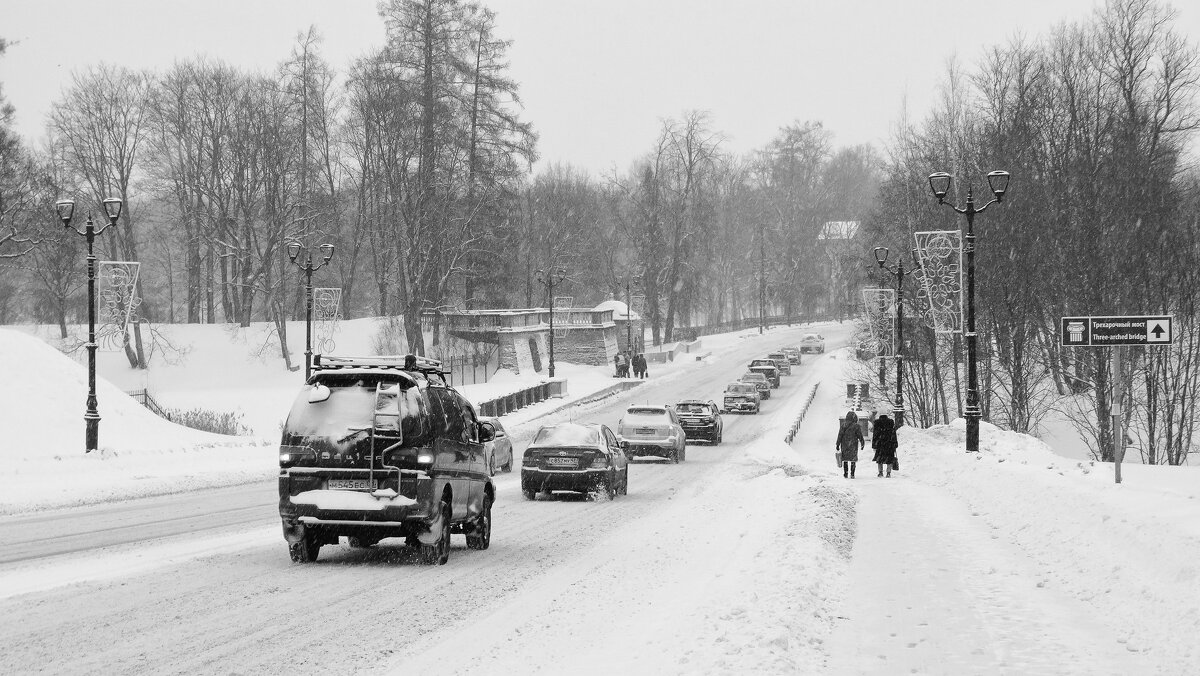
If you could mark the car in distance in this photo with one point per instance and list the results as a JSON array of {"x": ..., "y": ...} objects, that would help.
[
  {"x": 812, "y": 342},
  {"x": 793, "y": 354},
  {"x": 652, "y": 431},
  {"x": 701, "y": 420},
  {"x": 378, "y": 447},
  {"x": 584, "y": 458},
  {"x": 759, "y": 381},
  {"x": 742, "y": 397},
  {"x": 767, "y": 368},
  {"x": 500, "y": 449},
  {"x": 781, "y": 362}
]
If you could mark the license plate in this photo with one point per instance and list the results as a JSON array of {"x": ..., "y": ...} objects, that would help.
[
  {"x": 352, "y": 484},
  {"x": 562, "y": 462},
  {"x": 644, "y": 430}
]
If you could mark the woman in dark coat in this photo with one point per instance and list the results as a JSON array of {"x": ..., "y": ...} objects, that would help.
[
  {"x": 849, "y": 440},
  {"x": 883, "y": 440}
]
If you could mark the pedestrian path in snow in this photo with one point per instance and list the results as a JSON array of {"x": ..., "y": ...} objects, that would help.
[{"x": 933, "y": 590}]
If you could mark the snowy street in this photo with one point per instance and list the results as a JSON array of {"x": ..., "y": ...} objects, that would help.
[{"x": 747, "y": 557}]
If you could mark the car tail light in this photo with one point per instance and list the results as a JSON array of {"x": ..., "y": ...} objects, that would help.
[{"x": 600, "y": 461}]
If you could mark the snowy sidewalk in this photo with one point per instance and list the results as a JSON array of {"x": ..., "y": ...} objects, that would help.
[{"x": 931, "y": 590}]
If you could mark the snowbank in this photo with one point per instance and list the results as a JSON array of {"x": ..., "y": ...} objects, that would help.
[
  {"x": 1131, "y": 551},
  {"x": 44, "y": 460}
]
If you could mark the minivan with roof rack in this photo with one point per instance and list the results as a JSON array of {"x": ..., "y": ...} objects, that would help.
[{"x": 380, "y": 447}]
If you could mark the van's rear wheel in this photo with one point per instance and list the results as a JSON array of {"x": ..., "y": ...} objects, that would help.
[
  {"x": 305, "y": 549},
  {"x": 481, "y": 536},
  {"x": 438, "y": 553}
]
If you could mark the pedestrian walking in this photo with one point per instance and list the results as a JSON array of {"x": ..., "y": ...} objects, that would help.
[
  {"x": 622, "y": 363},
  {"x": 639, "y": 365},
  {"x": 883, "y": 440},
  {"x": 849, "y": 441}
]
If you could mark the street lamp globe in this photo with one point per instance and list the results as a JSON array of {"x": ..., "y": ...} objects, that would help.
[
  {"x": 881, "y": 255},
  {"x": 998, "y": 182},
  {"x": 112, "y": 207},
  {"x": 65, "y": 209},
  {"x": 293, "y": 250},
  {"x": 939, "y": 182},
  {"x": 327, "y": 251}
]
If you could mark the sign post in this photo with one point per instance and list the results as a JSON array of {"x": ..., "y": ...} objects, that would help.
[{"x": 1116, "y": 332}]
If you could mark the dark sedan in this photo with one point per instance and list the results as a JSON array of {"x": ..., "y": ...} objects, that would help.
[
  {"x": 583, "y": 458},
  {"x": 701, "y": 420}
]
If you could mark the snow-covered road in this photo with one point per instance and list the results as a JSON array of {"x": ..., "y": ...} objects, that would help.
[
  {"x": 687, "y": 573},
  {"x": 750, "y": 557}
]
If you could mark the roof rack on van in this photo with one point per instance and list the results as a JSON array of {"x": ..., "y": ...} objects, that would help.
[{"x": 408, "y": 362}]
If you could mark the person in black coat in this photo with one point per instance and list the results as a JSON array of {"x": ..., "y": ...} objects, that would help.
[
  {"x": 883, "y": 440},
  {"x": 639, "y": 365},
  {"x": 849, "y": 441}
]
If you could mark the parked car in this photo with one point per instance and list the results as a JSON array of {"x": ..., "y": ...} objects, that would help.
[
  {"x": 652, "y": 431},
  {"x": 759, "y": 381},
  {"x": 793, "y": 354},
  {"x": 812, "y": 342},
  {"x": 781, "y": 362},
  {"x": 701, "y": 420},
  {"x": 583, "y": 458},
  {"x": 378, "y": 447},
  {"x": 767, "y": 368},
  {"x": 500, "y": 449},
  {"x": 742, "y": 397}
]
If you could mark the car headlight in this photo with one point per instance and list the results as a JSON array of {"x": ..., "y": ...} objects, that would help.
[{"x": 425, "y": 459}]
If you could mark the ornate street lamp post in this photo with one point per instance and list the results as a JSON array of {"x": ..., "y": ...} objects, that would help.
[
  {"x": 548, "y": 279},
  {"x": 939, "y": 183},
  {"x": 881, "y": 256},
  {"x": 293, "y": 250},
  {"x": 66, "y": 211}
]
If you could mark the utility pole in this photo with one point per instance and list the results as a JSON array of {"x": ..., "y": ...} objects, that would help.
[
  {"x": 628, "y": 318},
  {"x": 762, "y": 278}
]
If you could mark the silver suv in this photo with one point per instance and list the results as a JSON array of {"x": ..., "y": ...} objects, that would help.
[{"x": 652, "y": 431}]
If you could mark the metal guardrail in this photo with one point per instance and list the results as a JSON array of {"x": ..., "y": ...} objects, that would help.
[
  {"x": 803, "y": 410},
  {"x": 520, "y": 399}
]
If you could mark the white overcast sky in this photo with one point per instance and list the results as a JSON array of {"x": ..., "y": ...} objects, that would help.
[{"x": 596, "y": 77}]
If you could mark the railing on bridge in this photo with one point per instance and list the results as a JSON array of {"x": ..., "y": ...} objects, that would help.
[{"x": 493, "y": 321}]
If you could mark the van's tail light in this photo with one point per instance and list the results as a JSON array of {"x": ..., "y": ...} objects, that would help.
[{"x": 291, "y": 456}]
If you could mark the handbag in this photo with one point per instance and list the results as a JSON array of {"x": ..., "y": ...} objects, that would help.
[
  {"x": 838, "y": 455},
  {"x": 895, "y": 464}
]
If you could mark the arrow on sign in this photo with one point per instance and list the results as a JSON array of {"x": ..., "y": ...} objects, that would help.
[{"x": 1158, "y": 331}]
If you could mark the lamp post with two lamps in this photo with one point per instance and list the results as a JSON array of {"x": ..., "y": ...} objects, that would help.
[
  {"x": 939, "y": 183},
  {"x": 550, "y": 278},
  {"x": 293, "y": 250},
  {"x": 66, "y": 211},
  {"x": 881, "y": 256}
]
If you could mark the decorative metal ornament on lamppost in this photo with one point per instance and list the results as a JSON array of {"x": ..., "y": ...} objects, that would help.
[
  {"x": 548, "y": 279},
  {"x": 66, "y": 211},
  {"x": 939, "y": 183},
  {"x": 307, "y": 267},
  {"x": 881, "y": 256}
]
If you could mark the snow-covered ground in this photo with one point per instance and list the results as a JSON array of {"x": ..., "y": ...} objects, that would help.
[
  {"x": 217, "y": 368},
  {"x": 752, "y": 557}
]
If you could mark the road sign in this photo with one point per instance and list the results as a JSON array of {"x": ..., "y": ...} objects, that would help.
[{"x": 1105, "y": 331}]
